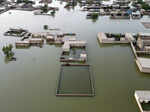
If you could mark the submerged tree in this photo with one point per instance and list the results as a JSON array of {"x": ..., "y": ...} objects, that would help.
[
  {"x": 117, "y": 37},
  {"x": 45, "y": 27},
  {"x": 53, "y": 13},
  {"x": 45, "y": 8},
  {"x": 94, "y": 17},
  {"x": 7, "y": 50}
]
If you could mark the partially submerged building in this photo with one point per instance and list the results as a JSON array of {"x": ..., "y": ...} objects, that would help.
[
  {"x": 22, "y": 44},
  {"x": 19, "y": 32},
  {"x": 136, "y": 15},
  {"x": 50, "y": 39},
  {"x": 122, "y": 2},
  {"x": 114, "y": 38},
  {"x": 77, "y": 43},
  {"x": 143, "y": 100},
  {"x": 74, "y": 51},
  {"x": 119, "y": 15},
  {"x": 143, "y": 64},
  {"x": 143, "y": 41},
  {"x": 143, "y": 46},
  {"x": 36, "y": 41}
]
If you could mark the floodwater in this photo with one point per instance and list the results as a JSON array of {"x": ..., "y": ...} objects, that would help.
[
  {"x": 29, "y": 84},
  {"x": 74, "y": 74}
]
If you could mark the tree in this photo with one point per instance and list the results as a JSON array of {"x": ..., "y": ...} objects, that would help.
[
  {"x": 7, "y": 50},
  {"x": 45, "y": 8},
  {"x": 45, "y": 27}
]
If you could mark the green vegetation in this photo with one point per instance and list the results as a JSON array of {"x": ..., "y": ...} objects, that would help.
[
  {"x": 144, "y": 5},
  {"x": 94, "y": 15},
  {"x": 145, "y": 106},
  {"x": 45, "y": 8},
  {"x": 117, "y": 37},
  {"x": 7, "y": 50},
  {"x": 1, "y": 1},
  {"x": 139, "y": 1},
  {"x": 45, "y": 27},
  {"x": 53, "y": 12}
]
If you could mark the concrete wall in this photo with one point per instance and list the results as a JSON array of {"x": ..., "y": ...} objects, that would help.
[{"x": 142, "y": 69}]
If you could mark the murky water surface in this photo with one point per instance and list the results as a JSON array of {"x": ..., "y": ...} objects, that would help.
[{"x": 29, "y": 84}]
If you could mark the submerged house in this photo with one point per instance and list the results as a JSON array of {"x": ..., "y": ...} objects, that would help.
[
  {"x": 136, "y": 15},
  {"x": 77, "y": 43},
  {"x": 74, "y": 51},
  {"x": 38, "y": 12},
  {"x": 114, "y": 38},
  {"x": 121, "y": 2},
  {"x": 22, "y": 44},
  {"x": 102, "y": 12},
  {"x": 50, "y": 39},
  {"x": 16, "y": 32},
  {"x": 119, "y": 15},
  {"x": 36, "y": 35},
  {"x": 92, "y": 15},
  {"x": 143, "y": 64},
  {"x": 143, "y": 100},
  {"x": 143, "y": 41},
  {"x": 36, "y": 41}
]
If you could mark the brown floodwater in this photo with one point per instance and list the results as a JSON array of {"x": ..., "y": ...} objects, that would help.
[{"x": 29, "y": 84}]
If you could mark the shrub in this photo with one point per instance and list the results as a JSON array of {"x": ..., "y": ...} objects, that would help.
[
  {"x": 45, "y": 8},
  {"x": 117, "y": 37},
  {"x": 45, "y": 27},
  {"x": 7, "y": 50}
]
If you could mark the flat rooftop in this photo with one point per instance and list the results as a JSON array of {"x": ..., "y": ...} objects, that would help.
[
  {"x": 144, "y": 62},
  {"x": 146, "y": 25},
  {"x": 143, "y": 95}
]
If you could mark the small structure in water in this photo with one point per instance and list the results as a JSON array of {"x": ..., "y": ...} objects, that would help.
[
  {"x": 40, "y": 12},
  {"x": 68, "y": 44},
  {"x": 136, "y": 15},
  {"x": 60, "y": 35},
  {"x": 36, "y": 35},
  {"x": 75, "y": 55},
  {"x": 121, "y": 2},
  {"x": 46, "y": 10},
  {"x": 16, "y": 32},
  {"x": 114, "y": 38},
  {"x": 93, "y": 15},
  {"x": 69, "y": 34},
  {"x": 143, "y": 64},
  {"x": 146, "y": 25},
  {"x": 36, "y": 41},
  {"x": 74, "y": 51},
  {"x": 143, "y": 100},
  {"x": 50, "y": 39},
  {"x": 140, "y": 44},
  {"x": 45, "y": 1},
  {"x": 119, "y": 15},
  {"x": 143, "y": 41},
  {"x": 143, "y": 47},
  {"x": 22, "y": 44}
]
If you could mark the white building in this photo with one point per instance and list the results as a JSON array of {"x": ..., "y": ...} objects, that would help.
[{"x": 142, "y": 98}]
